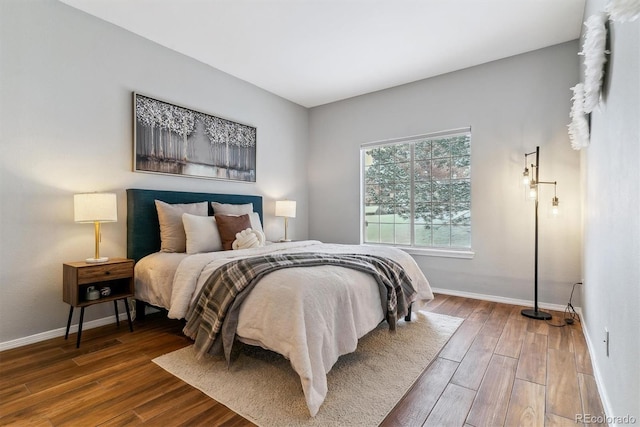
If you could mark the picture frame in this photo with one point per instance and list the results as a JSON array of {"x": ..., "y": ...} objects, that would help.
[{"x": 176, "y": 140}]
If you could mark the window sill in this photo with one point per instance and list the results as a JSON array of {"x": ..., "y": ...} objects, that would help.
[
  {"x": 435, "y": 252},
  {"x": 443, "y": 253}
]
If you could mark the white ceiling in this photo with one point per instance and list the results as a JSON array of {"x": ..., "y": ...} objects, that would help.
[{"x": 314, "y": 52}]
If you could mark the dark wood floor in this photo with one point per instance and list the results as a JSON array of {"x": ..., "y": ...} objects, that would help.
[{"x": 499, "y": 368}]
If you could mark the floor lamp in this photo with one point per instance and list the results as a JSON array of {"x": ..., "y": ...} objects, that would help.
[{"x": 532, "y": 181}]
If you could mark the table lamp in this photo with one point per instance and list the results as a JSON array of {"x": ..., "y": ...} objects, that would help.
[
  {"x": 286, "y": 209},
  {"x": 95, "y": 208}
]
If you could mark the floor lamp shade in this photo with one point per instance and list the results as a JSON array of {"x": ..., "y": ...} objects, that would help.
[
  {"x": 286, "y": 209},
  {"x": 95, "y": 208}
]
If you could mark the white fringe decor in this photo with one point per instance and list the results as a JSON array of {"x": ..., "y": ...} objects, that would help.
[
  {"x": 623, "y": 10},
  {"x": 579, "y": 126},
  {"x": 594, "y": 50}
]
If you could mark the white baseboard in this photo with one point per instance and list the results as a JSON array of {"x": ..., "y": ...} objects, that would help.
[
  {"x": 31, "y": 339},
  {"x": 495, "y": 298}
]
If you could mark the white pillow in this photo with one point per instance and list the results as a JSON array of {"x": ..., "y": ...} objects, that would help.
[
  {"x": 255, "y": 222},
  {"x": 230, "y": 209},
  {"x": 202, "y": 233}
]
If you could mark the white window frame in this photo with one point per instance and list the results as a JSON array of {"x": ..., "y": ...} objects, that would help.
[{"x": 438, "y": 251}]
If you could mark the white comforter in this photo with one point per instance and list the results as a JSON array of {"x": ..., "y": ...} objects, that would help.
[{"x": 327, "y": 308}]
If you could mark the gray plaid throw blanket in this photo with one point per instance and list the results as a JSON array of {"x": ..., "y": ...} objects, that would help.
[{"x": 216, "y": 311}]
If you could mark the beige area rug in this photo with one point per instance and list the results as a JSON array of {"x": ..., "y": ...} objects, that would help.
[{"x": 363, "y": 386}]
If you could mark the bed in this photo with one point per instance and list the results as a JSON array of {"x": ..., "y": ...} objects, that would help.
[{"x": 311, "y": 316}]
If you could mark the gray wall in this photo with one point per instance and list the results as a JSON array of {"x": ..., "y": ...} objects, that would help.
[
  {"x": 611, "y": 171},
  {"x": 65, "y": 109},
  {"x": 512, "y": 105},
  {"x": 66, "y": 80}
]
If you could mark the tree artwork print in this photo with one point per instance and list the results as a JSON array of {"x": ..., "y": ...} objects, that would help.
[{"x": 176, "y": 140}]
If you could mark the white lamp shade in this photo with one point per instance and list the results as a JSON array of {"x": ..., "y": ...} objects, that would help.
[
  {"x": 286, "y": 208},
  {"x": 92, "y": 207}
]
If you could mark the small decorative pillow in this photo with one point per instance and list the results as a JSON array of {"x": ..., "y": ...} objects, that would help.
[
  {"x": 248, "y": 238},
  {"x": 231, "y": 209},
  {"x": 202, "y": 234},
  {"x": 228, "y": 226}
]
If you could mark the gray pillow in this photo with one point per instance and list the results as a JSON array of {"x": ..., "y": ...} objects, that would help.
[
  {"x": 172, "y": 234},
  {"x": 231, "y": 209}
]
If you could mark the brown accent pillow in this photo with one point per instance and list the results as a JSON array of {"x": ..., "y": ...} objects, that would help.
[{"x": 229, "y": 225}]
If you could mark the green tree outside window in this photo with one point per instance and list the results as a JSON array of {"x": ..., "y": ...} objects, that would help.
[{"x": 418, "y": 192}]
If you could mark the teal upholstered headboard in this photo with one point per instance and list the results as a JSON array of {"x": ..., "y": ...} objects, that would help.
[{"x": 143, "y": 229}]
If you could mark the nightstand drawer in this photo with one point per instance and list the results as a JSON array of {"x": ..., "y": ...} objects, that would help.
[{"x": 99, "y": 273}]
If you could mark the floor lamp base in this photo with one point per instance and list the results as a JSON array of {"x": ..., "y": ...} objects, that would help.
[{"x": 539, "y": 315}]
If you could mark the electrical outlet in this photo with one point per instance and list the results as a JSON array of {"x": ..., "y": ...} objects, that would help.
[{"x": 606, "y": 340}]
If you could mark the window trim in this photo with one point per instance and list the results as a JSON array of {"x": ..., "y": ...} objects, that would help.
[
  {"x": 461, "y": 253},
  {"x": 432, "y": 135},
  {"x": 447, "y": 252}
]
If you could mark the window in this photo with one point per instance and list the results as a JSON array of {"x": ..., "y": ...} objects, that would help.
[{"x": 416, "y": 191}]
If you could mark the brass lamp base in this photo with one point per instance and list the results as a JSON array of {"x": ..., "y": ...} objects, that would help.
[{"x": 97, "y": 259}]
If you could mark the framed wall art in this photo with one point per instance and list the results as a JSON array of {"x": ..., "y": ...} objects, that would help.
[{"x": 170, "y": 139}]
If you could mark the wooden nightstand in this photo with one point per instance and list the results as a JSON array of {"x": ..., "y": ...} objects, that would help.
[{"x": 115, "y": 274}]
